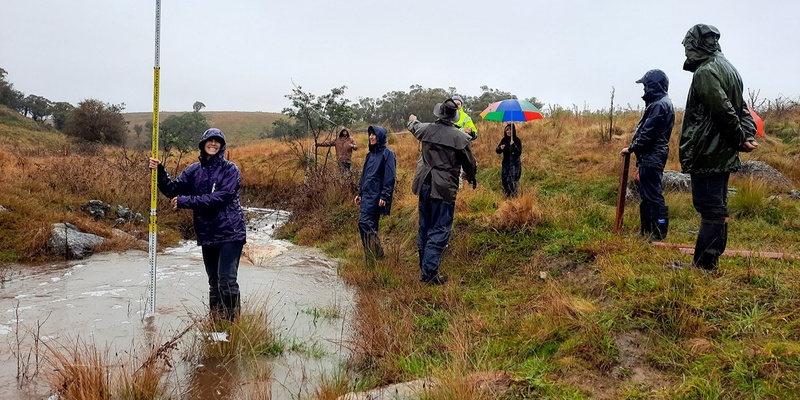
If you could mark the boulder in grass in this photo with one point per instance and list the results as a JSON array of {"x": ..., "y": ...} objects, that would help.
[
  {"x": 127, "y": 215},
  {"x": 96, "y": 208},
  {"x": 67, "y": 240},
  {"x": 764, "y": 172}
]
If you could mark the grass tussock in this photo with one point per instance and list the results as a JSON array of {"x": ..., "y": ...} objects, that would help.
[
  {"x": 250, "y": 335},
  {"x": 85, "y": 372}
]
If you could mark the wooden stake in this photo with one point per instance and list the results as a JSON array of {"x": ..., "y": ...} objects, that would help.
[{"x": 623, "y": 188}]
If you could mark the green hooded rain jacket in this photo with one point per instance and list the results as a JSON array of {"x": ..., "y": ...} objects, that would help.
[{"x": 716, "y": 123}]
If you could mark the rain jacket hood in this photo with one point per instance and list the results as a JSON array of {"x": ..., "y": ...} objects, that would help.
[
  {"x": 208, "y": 134},
  {"x": 700, "y": 43},
  {"x": 380, "y": 134},
  {"x": 651, "y": 139},
  {"x": 344, "y": 133},
  {"x": 656, "y": 85}
]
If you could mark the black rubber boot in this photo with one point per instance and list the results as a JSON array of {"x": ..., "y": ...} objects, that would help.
[
  {"x": 711, "y": 242},
  {"x": 230, "y": 307},
  {"x": 372, "y": 247},
  {"x": 216, "y": 309},
  {"x": 660, "y": 224}
]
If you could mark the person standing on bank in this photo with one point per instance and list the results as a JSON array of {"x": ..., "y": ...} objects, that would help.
[
  {"x": 210, "y": 188},
  {"x": 375, "y": 190},
  {"x": 717, "y": 125},
  {"x": 344, "y": 146},
  {"x": 511, "y": 148},
  {"x": 465, "y": 123},
  {"x": 445, "y": 151},
  {"x": 651, "y": 145}
]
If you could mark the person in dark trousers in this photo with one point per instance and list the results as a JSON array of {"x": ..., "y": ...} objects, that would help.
[
  {"x": 445, "y": 151},
  {"x": 511, "y": 148},
  {"x": 717, "y": 125},
  {"x": 375, "y": 191},
  {"x": 344, "y": 146},
  {"x": 651, "y": 145},
  {"x": 210, "y": 188}
]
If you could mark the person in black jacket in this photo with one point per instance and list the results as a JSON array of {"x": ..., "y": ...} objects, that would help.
[
  {"x": 651, "y": 146},
  {"x": 511, "y": 148}
]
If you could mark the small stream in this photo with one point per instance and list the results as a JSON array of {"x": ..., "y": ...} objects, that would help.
[{"x": 101, "y": 301}]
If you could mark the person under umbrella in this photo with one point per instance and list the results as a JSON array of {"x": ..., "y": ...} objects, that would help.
[{"x": 511, "y": 148}]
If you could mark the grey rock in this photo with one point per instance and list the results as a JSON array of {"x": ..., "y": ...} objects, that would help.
[
  {"x": 671, "y": 181},
  {"x": 764, "y": 172},
  {"x": 96, "y": 208},
  {"x": 128, "y": 215},
  {"x": 67, "y": 240},
  {"x": 794, "y": 194}
]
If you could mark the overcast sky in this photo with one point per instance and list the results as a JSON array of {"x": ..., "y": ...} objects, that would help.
[{"x": 242, "y": 55}]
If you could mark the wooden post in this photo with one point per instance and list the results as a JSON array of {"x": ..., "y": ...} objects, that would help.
[{"x": 623, "y": 189}]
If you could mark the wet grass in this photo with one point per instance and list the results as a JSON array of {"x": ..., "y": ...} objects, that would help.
[{"x": 540, "y": 289}]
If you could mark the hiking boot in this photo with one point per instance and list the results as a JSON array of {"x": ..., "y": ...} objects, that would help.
[{"x": 436, "y": 280}]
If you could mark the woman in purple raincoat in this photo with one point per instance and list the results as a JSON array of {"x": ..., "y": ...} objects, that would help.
[{"x": 210, "y": 188}]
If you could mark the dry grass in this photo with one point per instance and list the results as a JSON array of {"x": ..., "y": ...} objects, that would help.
[
  {"x": 85, "y": 372},
  {"x": 539, "y": 286}
]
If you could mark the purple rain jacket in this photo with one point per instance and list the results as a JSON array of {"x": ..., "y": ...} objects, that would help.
[{"x": 210, "y": 188}]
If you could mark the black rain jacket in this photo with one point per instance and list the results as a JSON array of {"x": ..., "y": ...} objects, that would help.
[{"x": 651, "y": 140}]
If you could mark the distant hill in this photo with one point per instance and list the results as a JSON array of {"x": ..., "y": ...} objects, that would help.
[{"x": 240, "y": 127}]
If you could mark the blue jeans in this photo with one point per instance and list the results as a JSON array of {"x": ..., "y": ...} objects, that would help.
[
  {"x": 435, "y": 221},
  {"x": 222, "y": 266}
]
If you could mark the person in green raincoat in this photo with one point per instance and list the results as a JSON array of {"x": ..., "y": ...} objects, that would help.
[{"x": 717, "y": 125}]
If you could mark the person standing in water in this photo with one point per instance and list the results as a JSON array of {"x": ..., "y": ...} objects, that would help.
[{"x": 210, "y": 188}]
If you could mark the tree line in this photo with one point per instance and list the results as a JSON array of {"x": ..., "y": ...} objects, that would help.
[
  {"x": 95, "y": 121},
  {"x": 310, "y": 114}
]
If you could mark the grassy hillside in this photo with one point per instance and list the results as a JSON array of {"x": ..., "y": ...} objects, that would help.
[
  {"x": 240, "y": 127},
  {"x": 23, "y": 135}
]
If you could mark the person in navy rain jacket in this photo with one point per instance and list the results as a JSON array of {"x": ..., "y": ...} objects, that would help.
[
  {"x": 651, "y": 145},
  {"x": 210, "y": 188},
  {"x": 375, "y": 190}
]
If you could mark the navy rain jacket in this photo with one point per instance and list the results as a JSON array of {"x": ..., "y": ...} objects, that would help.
[
  {"x": 210, "y": 188},
  {"x": 378, "y": 175},
  {"x": 651, "y": 140}
]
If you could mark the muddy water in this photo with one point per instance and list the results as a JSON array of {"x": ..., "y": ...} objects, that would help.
[{"x": 101, "y": 301}]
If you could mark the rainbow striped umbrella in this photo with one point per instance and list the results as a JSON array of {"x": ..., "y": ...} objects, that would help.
[{"x": 511, "y": 110}]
